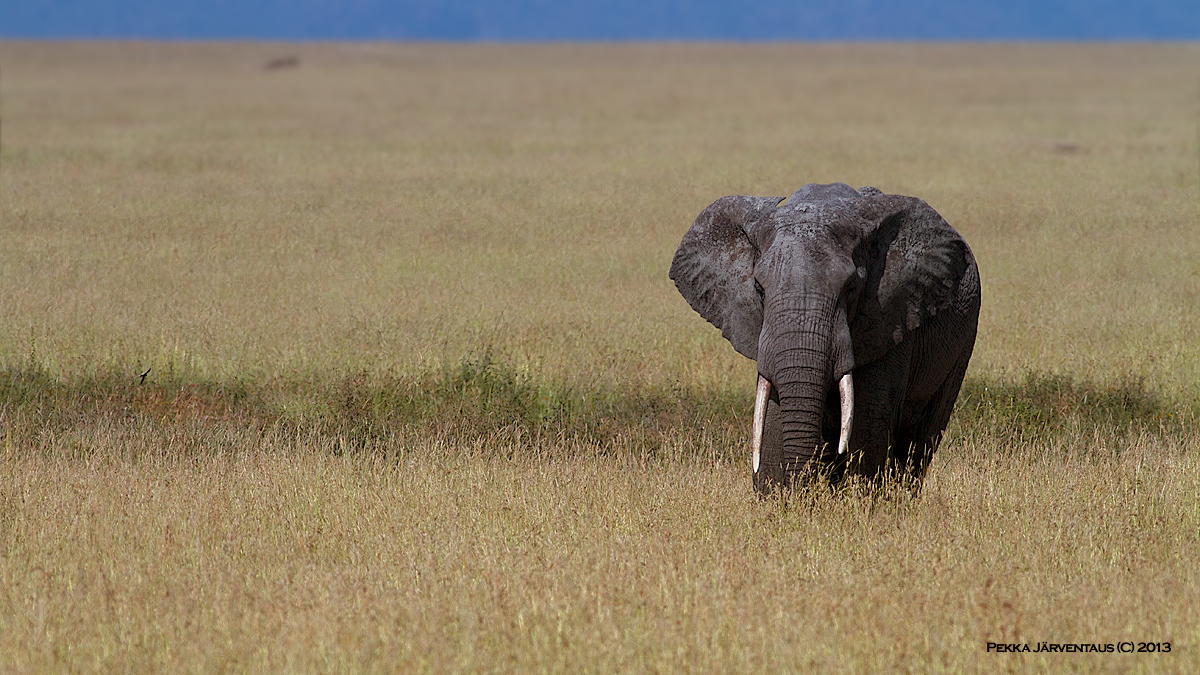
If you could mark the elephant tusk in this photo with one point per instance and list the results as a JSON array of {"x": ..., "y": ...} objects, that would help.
[
  {"x": 846, "y": 394},
  {"x": 760, "y": 417}
]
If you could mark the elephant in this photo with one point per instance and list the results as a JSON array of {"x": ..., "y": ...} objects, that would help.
[{"x": 860, "y": 309}]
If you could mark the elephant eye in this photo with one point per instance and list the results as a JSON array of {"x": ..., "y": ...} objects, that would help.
[
  {"x": 758, "y": 289},
  {"x": 855, "y": 281}
]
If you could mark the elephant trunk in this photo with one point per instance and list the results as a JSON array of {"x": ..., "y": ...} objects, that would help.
[
  {"x": 801, "y": 390},
  {"x": 807, "y": 359}
]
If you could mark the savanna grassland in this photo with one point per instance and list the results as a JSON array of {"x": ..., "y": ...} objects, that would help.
[{"x": 371, "y": 364}]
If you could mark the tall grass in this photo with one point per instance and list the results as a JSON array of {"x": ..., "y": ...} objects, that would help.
[
  {"x": 418, "y": 395},
  {"x": 282, "y": 554}
]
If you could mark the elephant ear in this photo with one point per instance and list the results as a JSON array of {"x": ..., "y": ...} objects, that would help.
[
  {"x": 914, "y": 261},
  {"x": 714, "y": 269}
]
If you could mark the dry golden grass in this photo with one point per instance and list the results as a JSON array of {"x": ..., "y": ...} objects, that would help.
[
  {"x": 282, "y": 556},
  {"x": 392, "y": 206},
  {"x": 312, "y": 261}
]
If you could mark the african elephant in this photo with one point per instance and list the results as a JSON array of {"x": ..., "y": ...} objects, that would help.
[{"x": 861, "y": 310}]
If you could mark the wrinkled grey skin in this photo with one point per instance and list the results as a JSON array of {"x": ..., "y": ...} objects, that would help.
[{"x": 836, "y": 280}]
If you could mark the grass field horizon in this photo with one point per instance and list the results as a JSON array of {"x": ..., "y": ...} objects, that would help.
[{"x": 418, "y": 394}]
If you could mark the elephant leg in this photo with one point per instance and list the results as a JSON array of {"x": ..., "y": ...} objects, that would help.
[
  {"x": 925, "y": 434},
  {"x": 940, "y": 355},
  {"x": 877, "y": 402}
]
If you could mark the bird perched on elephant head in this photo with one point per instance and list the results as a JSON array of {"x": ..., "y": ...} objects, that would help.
[{"x": 860, "y": 309}]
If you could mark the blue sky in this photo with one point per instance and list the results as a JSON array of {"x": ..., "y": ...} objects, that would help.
[{"x": 542, "y": 20}]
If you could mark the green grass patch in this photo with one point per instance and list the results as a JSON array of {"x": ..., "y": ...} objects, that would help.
[
  {"x": 482, "y": 397},
  {"x": 1043, "y": 407},
  {"x": 477, "y": 398}
]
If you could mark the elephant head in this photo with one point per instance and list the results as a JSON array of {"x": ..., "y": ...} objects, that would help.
[{"x": 828, "y": 289}]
